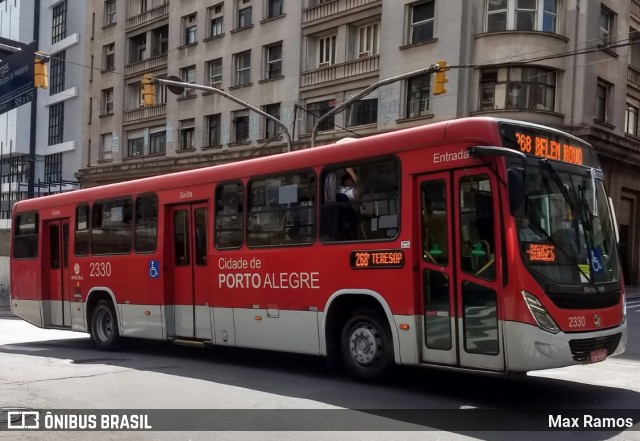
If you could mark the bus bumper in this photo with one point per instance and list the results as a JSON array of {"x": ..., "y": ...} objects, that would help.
[{"x": 529, "y": 348}]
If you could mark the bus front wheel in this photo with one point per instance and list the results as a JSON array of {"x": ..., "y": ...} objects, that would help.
[
  {"x": 366, "y": 345},
  {"x": 104, "y": 326}
]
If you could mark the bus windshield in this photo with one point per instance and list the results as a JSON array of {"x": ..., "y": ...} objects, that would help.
[{"x": 567, "y": 235}]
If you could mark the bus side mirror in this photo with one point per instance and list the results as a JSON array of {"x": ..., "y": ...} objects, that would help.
[{"x": 517, "y": 188}]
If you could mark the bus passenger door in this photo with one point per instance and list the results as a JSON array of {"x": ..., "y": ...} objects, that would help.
[
  {"x": 478, "y": 270},
  {"x": 190, "y": 229},
  {"x": 439, "y": 344},
  {"x": 56, "y": 296},
  {"x": 460, "y": 269}
]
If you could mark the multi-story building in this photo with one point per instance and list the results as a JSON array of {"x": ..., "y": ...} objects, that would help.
[
  {"x": 570, "y": 64},
  {"x": 245, "y": 47},
  {"x": 40, "y": 153}
]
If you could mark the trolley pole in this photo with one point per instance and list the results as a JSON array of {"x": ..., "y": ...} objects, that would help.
[
  {"x": 431, "y": 69},
  {"x": 177, "y": 87}
]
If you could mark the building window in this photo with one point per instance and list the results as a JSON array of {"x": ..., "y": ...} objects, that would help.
[
  {"x": 606, "y": 27},
  {"x": 368, "y": 40},
  {"x": 327, "y": 51},
  {"x": 271, "y": 128},
  {"x": 214, "y": 70},
  {"x": 109, "y": 12},
  {"x": 216, "y": 20},
  {"x": 631, "y": 120},
  {"x": 57, "y": 74},
  {"x": 243, "y": 68},
  {"x": 244, "y": 13},
  {"x": 56, "y": 123},
  {"x": 135, "y": 143},
  {"x": 363, "y": 112},
  {"x": 109, "y": 57},
  {"x": 188, "y": 75},
  {"x": 187, "y": 134},
  {"x": 214, "y": 136},
  {"x": 137, "y": 48},
  {"x": 157, "y": 140},
  {"x": 418, "y": 90},
  {"x": 273, "y": 56},
  {"x": 634, "y": 49},
  {"x": 602, "y": 101},
  {"x": 274, "y": 8},
  {"x": 316, "y": 110},
  {"x": 522, "y": 88},
  {"x": 106, "y": 147},
  {"x": 107, "y": 101},
  {"x": 53, "y": 168},
  {"x": 59, "y": 25},
  {"x": 241, "y": 126},
  {"x": 422, "y": 19},
  {"x": 189, "y": 29},
  {"x": 522, "y": 15}
]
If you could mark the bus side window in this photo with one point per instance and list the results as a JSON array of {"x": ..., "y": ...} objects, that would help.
[
  {"x": 229, "y": 215},
  {"x": 146, "y": 224},
  {"x": 81, "y": 239},
  {"x": 25, "y": 236},
  {"x": 365, "y": 205}
]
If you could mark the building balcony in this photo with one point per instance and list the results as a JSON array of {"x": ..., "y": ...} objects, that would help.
[
  {"x": 633, "y": 76},
  {"x": 147, "y": 64},
  {"x": 325, "y": 10},
  {"x": 635, "y": 9},
  {"x": 147, "y": 17},
  {"x": 159, "y": 110},
  {"x": 340, "y": 71}
]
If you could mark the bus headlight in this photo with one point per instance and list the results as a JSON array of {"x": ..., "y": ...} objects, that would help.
[
  {"x": 540, "y": 315},
  {"x": 624, "y": 308}
]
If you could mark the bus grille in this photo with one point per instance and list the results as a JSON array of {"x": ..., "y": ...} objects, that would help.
[{"x": 581, "y": 348}]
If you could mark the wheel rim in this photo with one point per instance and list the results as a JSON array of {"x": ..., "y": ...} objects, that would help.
[
  {"x": 365, "y": 344},
  {"x": 104, "y": 325}
]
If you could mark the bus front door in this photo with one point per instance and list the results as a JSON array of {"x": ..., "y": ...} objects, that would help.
[
  {"x": 460, "y": 269},
  {"x": 190, "y": 276},
  {"x": 56, "y": 306}
]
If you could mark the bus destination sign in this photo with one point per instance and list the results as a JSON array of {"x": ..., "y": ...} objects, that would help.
[
  {"x": 548, "y": 144},
  {"x": 369, "y": 259}
]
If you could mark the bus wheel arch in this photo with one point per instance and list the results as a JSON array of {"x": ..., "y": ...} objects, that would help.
[
  {"x": 102, "y": 319},
  {"x": 364, "y": 320}
]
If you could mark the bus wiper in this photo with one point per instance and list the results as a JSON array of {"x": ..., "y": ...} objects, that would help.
[{"x": 573, "y": 204}]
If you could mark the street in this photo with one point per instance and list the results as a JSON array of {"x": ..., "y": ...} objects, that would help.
[{"x": 50, "y": 369}]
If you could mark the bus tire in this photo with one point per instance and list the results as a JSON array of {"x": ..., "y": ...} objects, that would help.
[
  {"x": 366, "y": 347},
  {"x": 104, "y": 326}
]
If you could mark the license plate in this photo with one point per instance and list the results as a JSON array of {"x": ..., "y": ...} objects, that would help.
[{"x": 598, "y": 355}]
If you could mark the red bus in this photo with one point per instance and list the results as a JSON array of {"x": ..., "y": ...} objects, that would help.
[{"x": 477, "y": 243}]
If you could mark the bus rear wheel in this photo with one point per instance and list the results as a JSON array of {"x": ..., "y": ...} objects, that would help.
[
  {"x": 104, "y": 326},
  {"x": 366, "y": 345}
]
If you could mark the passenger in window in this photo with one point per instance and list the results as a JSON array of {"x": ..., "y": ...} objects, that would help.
[{"x": 349, "y": 184}]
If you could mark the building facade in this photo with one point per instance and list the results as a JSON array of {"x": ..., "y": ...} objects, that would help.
[
  {"x": 40, "y": 153},
  {"x": 569, "y": 64}
]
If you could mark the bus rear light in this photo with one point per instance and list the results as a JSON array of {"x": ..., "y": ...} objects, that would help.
[{"x": 540, "y": 315}]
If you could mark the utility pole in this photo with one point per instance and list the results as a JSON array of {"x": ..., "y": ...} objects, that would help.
[
  {"x": 176, "y": 86},
  {"x": 440, "y": 67}
]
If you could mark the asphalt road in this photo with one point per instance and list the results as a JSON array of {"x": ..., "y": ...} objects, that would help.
[{"x": 48, "y": 369}]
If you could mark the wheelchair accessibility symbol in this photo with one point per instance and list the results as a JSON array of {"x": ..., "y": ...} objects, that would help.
[
  {"x": 154, "y": 269},
  {"x": 596, "y": 261}
]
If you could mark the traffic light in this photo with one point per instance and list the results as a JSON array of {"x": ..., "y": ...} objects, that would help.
[
  {"x": 40, "y": 74},
  {"x": 148, "y": 90},
  {"x": 441, "y": 78}
]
